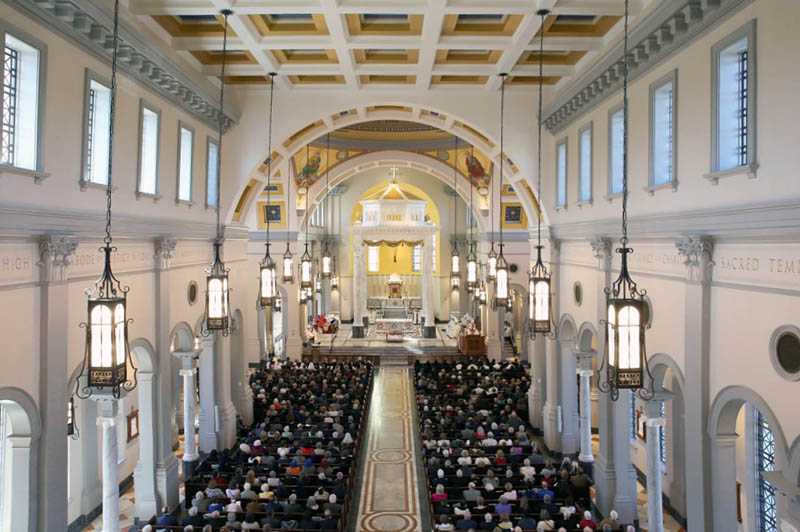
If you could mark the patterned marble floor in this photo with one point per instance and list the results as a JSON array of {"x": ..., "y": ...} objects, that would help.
[{"x": 389, "y": 498}]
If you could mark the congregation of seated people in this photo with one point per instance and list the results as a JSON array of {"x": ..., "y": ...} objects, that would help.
[
  {"x": 485, "y": 468},
  {"x": 293, "y": 468}
]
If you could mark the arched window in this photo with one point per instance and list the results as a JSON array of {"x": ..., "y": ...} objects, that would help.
[{"x": 767, "y": 508}]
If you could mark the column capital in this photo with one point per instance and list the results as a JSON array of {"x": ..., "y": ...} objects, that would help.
[
  {"x": 164, "y": 251},
  {"x": 187, "y": 372},
  {"x": 697, "y": 253},
  {"x": 601, "y": 249},
  {"x": 55, "y": 253}
]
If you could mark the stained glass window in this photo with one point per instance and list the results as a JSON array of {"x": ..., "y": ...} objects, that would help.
[{"x": 767, "y": 511}]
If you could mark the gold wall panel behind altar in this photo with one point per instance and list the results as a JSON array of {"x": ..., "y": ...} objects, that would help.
[
  {"x": 514, "y": 216},
  {"x": 401, "y": 266},
  {"x": 508, "y": 190},
  {"x": 277, "y": 211}
]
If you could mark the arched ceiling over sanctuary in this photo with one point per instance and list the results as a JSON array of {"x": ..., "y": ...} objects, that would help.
[
  {"x": 310, "y": 163},
  {"x": 414, "y": 43}
]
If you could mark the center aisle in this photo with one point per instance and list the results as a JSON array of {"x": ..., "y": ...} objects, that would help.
[{"x": 389, "y": 497}]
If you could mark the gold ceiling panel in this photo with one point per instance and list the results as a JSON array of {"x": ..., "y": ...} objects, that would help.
[
  {"x": 235, "y": 57},
  {"x": 392, "y": 108},
  {"x": 396, "y": 79},
  {"x": 317, "y": 79},
  {"x": 533, "y": 80},
  {"x": 497, "y": 25},
  {"x": 383, "y": 24},
  {"x": 385, "y": 57},
  {"x": 578, "y": 25},
  {"x": 448, "y": 79},
  {"x": 290, "y": 24},
  {"x": 245, "y": 80},
  {"x": 467, "y": 57},
  {"x": 192, "y": 25},
  {"x": 564, "y": 57},
  {"x": 291, "y": 140},
  {"x": 304, "y": 57}
]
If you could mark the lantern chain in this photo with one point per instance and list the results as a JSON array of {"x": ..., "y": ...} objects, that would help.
[
  {"x": 269, "y": 151},
  {"x": 542, "y": 14},
  {"x": 112, "y": 113},
  {"x": 221, "y": 121},
  {"x": 502, "y": 156},
  {"x": 624, "y": 240}
]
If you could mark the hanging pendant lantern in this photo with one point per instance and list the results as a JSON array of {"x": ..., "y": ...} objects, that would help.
[
  {"x": 501, "y": 266},
  {"x": 217, "y": 284},
  {"x": 288, "y": 265},
  {"x": 628, "y": 312},
  {"x": 491, "y": 265},
  {"x": 107, "y": 356},
  {"x": 268, "y": 276},
  {"x": 501, "y": 280},
  {"x": 327, "y": 262},
  {"x": 539, "y": 294},
  {"x": 269, "y": 289},
  {"x": 472, "y": 268},
  {"x": 306, "y": 269}
]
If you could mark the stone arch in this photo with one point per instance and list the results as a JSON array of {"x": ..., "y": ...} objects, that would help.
[
  {"x": 587, "y": 333},
  {"x": 23, "y": 466},
  {"x": 145, "y": 488},
  {"x": 722, "y": 431},
  {"x": 182, "y": 337},
  {"x": 454, "y": 123}
]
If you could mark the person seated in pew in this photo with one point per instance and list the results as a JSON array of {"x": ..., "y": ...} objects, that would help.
[
  {"x": 505, "y": 524},
  {"x": 444, "y": 524},
  {"x": 165, "y": 519},
  {"x": 471, "y": 493},
  {"x": 488, "y": 522},
  {"x": 193, "y": 518},
  {"x": 466, "y": 522}
]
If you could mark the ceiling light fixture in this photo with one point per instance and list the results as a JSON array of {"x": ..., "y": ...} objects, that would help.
[
  {"x": 268, "y": 274},
  {"x": 501, "y": 267}
]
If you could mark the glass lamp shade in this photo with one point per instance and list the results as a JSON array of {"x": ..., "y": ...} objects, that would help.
[
  {"x": 327, "y": 265},
  {"x": 306, "y": 280},
  {"x": 217, "y": 316},
  {"x": 455, "y": 263},
  {"x": 501, "y": 282},
  {"x": 455, "y": 282},
  {"x": 539, "y": 304},
  {"x": 107, "y": 343},
  {"x": 491, "y": 265},
  {"x": 288, "y": 266},
  {"x": 268, "y": 282},
  {"x": 482, "y": 296},
  {"x": 472, "y": 272},
  {"x": 318, "y": 284},
  {"x": 625, "y": 344}
]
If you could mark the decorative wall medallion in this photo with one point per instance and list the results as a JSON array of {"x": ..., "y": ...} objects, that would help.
[
  {"x": 191, "y": 293},
  {"x": 577, "y": 293}
]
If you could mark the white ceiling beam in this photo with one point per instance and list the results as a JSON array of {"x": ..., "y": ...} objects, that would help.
[
  {"x": 243, "y": 7},
  {"x": 396, "y": 7},
  {"x": 510, "y": 56},
  {"x": 334, "y": 19},
  {"x": 395, "y": 42},
  {"x": 473, "y": 42},
  {"x": 499, "y": 7},
  {"x": 599, "y": 8},
  {"x": 206, "y": 43},
  {"x": 431, "y": 31},
  {"x": 577, "y": 44}
]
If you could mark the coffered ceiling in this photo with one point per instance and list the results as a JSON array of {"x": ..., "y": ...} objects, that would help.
[{"x": 364, "y": 44}]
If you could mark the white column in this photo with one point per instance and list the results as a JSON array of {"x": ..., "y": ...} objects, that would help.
[
  {"x": 536, "y": 393},
  {"x": 723, "y": 470},
  {"x": 291, "y": 310},
  {"x": 359, "y": 286},
  {"x": 568, "y": 397},
  {"x": 56, "y": 254},
  {"x": 586, "y": 456},
  {"x": 187, "y": 373},
  {"x": 226, "y": 428},
  {"x": 655, "y": 425},
  {"x": 551, "y": 408},
  {"x": 208, "y": 414},
  {"x": 144, "y": 475},
  {"x": 428, "y": 297},
  {"x": 604, "y": 468},
  {"x": 166, "y": 464},
  {"x": 625, "y": 478},
  {"x": 107, "y": 414},
  {"x": 697, "y": 253}
]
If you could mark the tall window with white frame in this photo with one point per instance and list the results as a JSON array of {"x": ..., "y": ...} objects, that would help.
[
  {"x": 662, "y": 130},
  {"x": 734, "y": 139},
  {"x": 585, "y": 164},
  {"x": 373, "y": 258},
  {"x": 185, "y": 163},
  {"x": 96, "y": 124},
  {"x": 149, "y": 123},
  {"x": 212, "y": 158},
  {"x": 616, "y": 132},
  {"x": 766, "y": 502},
  {"x": 19, "y": 127},
  {"x": 561, "y": 174}
]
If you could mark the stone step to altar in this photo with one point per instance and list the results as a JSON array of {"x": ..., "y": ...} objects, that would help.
[{"x": 395, "y": 360}]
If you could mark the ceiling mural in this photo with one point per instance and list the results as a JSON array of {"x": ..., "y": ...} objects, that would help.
[{"x": 311, "y": 162}]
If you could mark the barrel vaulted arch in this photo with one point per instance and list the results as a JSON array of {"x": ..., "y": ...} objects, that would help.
[{"x": 515, "y": 162}]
